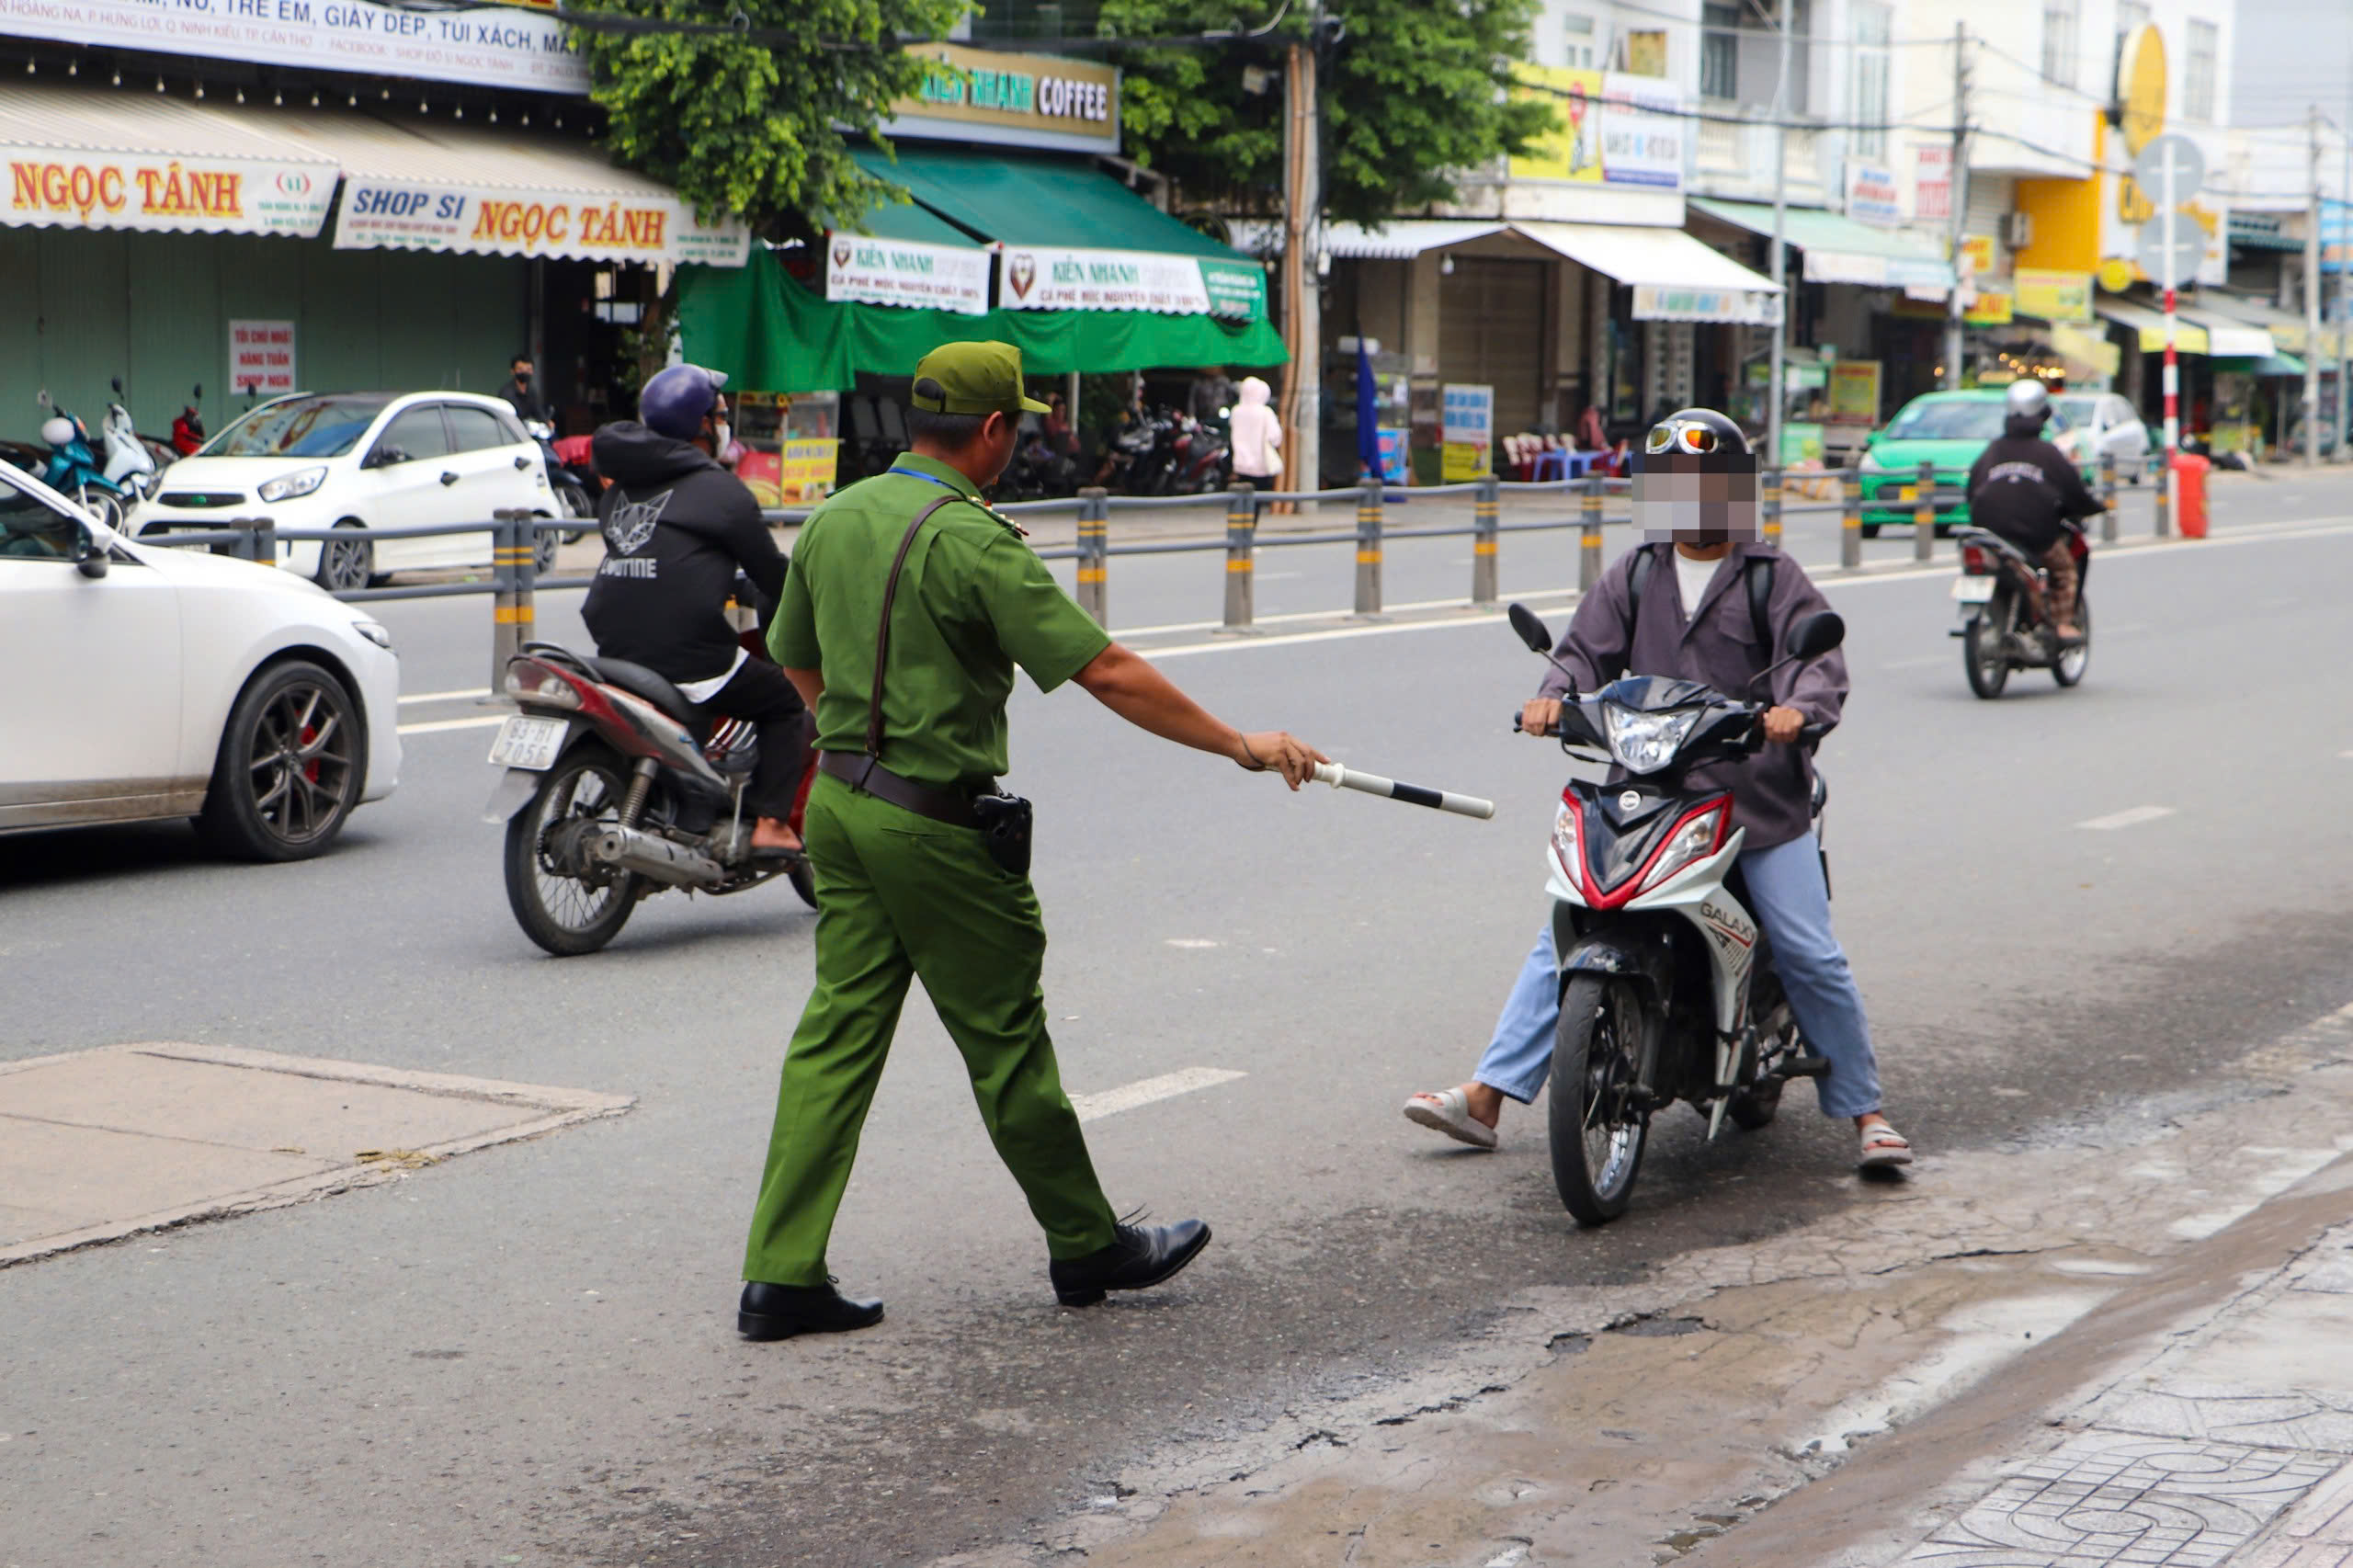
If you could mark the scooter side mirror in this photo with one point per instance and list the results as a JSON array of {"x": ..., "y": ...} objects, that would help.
[
  {"x": 1817, "y": 634},
  {"x": 88, "y": 559},
  {"x": 1530, "y": 628}
]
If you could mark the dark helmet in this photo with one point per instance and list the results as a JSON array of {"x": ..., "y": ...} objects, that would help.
[
  {"x": 677, "y": 400},
  {"x": 1695, "y": 480},
  {"x": 1701, "y": 433}
]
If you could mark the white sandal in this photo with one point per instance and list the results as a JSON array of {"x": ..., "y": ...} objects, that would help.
[
  {"x": 1883, "y": 1145},
  {"x": 1449, "y": 1111}
]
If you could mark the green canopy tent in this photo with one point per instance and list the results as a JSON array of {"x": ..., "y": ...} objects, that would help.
[
  {"x": 770, "y": 332},
  {"x": 767, "y": 330}
]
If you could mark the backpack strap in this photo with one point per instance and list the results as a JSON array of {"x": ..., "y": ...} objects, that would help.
[
  {"x": 883, "y": 637},
  {"x": 1758, "y": 575},
  {"x": 1646, "y": 563}
]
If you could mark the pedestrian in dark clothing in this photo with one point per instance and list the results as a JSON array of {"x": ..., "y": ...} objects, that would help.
[{"x": 522, "y": 392}]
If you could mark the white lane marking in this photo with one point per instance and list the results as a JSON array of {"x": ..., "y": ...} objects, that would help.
[
  {"x": 437, "y": 726},
  {"x": 2131, "y": 818},
  {"x": 1297, "y": 615},
  {"x": 1193, "y": 942},
  {"x": 1126, "y": 1097},
  {"x": 446, "y": 696}
]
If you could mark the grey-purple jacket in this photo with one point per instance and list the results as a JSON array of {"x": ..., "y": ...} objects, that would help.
[{"x": 1718, "y": 646}]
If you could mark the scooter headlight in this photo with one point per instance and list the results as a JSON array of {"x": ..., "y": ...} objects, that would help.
[
  {"x": 290, "y": 486},
  {"x": 1644, "y": 742}
]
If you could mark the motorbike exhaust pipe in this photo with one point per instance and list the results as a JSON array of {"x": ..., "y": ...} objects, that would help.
[{"x": 655, "y": 858}]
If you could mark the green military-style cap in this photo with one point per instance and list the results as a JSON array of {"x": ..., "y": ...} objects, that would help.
[{"x": 972, "y": 378}]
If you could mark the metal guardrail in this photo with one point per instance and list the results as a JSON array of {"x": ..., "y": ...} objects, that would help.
[{"x": 514, "y": 579}]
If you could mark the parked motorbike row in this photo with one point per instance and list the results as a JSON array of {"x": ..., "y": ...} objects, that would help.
[{"x": 122, "y": 468}]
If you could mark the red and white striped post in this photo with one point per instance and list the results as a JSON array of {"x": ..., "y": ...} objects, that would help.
[{"x": 2171, "y": 218}]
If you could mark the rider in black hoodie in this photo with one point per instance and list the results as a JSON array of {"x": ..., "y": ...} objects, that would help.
[
  {"x": 2024, "y": 489},
  {"x": 678, "y": 527}
]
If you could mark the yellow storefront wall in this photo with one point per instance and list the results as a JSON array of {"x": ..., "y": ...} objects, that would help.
[{"x": 2064, "y": 216}]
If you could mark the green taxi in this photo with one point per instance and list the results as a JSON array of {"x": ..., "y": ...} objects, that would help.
[{"x": 1947, "y": 429}]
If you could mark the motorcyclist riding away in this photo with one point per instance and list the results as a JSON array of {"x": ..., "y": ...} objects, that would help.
[
  {"x": 2025, "y": 489},
  {"x": 677, "y": 529},
  {"x": 1704, "y": 601}
]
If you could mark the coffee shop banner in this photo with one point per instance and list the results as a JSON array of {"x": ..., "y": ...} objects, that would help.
[
  {"x": 525, "y": 48},
  {"x": 1010, "y": 100},
  {"x": 1033, "y": 277},
  {"x": 870, "y": 272}
]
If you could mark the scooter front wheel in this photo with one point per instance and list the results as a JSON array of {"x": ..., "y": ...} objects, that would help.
[{"x": 1597, "y": 1117}]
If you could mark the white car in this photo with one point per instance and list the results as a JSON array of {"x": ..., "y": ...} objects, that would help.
[
  {"x": 350, "y": 460},
  {"x": 2105, "y": 423},
  {"x": 155, "y": 682}
]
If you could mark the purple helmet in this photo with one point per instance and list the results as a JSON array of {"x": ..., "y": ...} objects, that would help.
[{"x": 675, "y": 401}]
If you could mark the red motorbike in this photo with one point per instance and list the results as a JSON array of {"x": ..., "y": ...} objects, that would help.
[{"x": 617, "y": 786}]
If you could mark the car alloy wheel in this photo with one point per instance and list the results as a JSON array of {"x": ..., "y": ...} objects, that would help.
[{"x": 346, "y": 565}]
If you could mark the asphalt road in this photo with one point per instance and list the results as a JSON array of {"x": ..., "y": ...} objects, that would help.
[{"x": 527, "y": 1354}]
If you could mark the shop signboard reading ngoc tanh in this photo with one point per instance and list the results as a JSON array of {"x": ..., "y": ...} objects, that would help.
[
  {"x": 67, "y": 188},
  {"x": 480, "y": 45},
  {"x": 423, "y": 215}
]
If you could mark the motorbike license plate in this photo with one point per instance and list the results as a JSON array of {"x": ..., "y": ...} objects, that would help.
[
  {"x": 526, "y": 742},
  {"x": 1973, "y": 590}
]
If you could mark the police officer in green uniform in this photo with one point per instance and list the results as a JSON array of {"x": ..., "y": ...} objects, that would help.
[{"x": 908, "y": 605}]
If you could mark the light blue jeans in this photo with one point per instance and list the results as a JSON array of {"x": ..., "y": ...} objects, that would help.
[{"x": 1789, "y": 897}]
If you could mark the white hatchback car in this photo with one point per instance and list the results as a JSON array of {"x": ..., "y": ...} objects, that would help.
[
  {"x": 178, "y": 683},
  {"x": 352, "y": 461}
]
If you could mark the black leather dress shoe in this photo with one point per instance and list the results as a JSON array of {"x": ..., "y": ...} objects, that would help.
[
  {"x": 1140, "y": 1257},
  {"x": 780, "y": 1311}
]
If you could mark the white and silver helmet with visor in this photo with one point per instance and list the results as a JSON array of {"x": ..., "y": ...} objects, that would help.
[{"x": 1695, "y": 481}]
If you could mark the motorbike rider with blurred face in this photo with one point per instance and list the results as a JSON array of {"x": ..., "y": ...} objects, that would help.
[
  {"x": 1704, "y": 600},
  {"x": 2025, "y": 489}
]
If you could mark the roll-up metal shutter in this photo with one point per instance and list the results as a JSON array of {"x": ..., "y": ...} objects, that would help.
[{"x": 1491, "y": 333}]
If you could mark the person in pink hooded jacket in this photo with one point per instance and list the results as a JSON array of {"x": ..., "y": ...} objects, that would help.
[{"x": 1256, "y": 433}]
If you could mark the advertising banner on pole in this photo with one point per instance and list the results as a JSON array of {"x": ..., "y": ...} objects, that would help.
[
  {"x": 479, "y": 45},
  {"x": 1466, "y": 430}
]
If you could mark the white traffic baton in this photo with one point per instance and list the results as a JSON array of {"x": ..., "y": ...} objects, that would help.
[{"x": 1340, "y": 777}]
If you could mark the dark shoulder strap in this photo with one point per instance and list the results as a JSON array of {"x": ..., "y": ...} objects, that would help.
[
  {"x": 883, "y": 637},
  {"x": 1645, "y": 562},
  {"x": 1760, "y": 573}
]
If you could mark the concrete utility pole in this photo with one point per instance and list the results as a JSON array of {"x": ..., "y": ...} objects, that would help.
[
  {"x": 1776, "y": 393},
  {"x": 2311, "y": 303},
  {"x": 2344, "y": 270},
  {"x": 1303, "y": 409},
  {"x": 1959, "y": 218}
]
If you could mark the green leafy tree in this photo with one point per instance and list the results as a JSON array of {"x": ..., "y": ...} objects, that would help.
[
  {"x": 756, "y": 124},
  {"x": 1414, "y": 94},
  {"x": 752, "y": 123}
]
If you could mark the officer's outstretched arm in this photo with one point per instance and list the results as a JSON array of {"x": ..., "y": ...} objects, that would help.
[{"x": 1136, "y": 690}]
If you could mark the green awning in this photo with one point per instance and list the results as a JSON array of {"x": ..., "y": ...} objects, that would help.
[
  {"x": 1037, "y": 201},
  {"x": 1073, "y": 236},
  {"x": 1839, "y": 250},
  {"x": 2267, "y": 365},
  {"x": 770, "y": 334},
  {"x": 910, "y": 221}
]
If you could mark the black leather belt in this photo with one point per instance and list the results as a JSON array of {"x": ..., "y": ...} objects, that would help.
[{"x": 863, "y": 773}]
